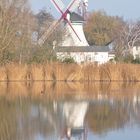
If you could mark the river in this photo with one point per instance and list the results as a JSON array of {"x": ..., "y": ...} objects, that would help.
[{"x": 69, "y": 111}]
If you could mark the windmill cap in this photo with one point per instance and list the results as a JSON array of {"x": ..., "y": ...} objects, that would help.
[{"x": 74, "y": 17}]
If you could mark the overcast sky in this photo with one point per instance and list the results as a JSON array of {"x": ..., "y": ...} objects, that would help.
[{"x": 129, "y": 9}]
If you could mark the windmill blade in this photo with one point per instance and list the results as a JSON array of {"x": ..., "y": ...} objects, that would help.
[
  {"x": 73, "y": 29},
  {"x": 51, "y": 29},
  {"x": 73, "y": 5},
  {"x": 58, "y": 4}
]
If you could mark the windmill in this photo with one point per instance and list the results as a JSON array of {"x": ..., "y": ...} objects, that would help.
[{"x": 65, "y": 16}]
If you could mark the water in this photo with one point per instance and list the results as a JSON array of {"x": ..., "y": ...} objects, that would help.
[{"x": 73, "y": 111}]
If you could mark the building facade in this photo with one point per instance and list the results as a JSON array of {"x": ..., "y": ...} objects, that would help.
[
  {"x": 90, "y": 54},
  {"x": 135, "y": 51}
]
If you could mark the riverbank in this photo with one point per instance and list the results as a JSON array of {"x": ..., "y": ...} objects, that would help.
[{"x": 70, "y": 72}]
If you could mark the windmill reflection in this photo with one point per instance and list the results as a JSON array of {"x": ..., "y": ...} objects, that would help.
[
  {"x": 67, "y": 119},
  {"x": 74, "y": 115}
]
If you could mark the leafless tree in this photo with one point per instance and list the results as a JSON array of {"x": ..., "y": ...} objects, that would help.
[
  {"x": 127, "y": 37},
  {"x": 133, "y": 35},
  {"x": 15, "y": 28}
]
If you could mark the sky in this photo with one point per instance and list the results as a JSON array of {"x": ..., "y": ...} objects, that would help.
[{"x": 128, "y": 9}]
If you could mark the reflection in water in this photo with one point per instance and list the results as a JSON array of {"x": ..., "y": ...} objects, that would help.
[
  {"x": 74, "y": 114},
  {"x": 62, "y": 112}
]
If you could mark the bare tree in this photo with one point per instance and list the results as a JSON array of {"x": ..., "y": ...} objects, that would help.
[
  {"x": 133, "y": 35},
  {"x": 127, "y": 37},
  {"x": 15, "y": 28}
]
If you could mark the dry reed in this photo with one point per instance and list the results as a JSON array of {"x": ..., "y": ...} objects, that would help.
[
  {"x": 36, "y": 72},
  {"x": 16, "y": 72},
  {"x": 3, "y": 74},
  {"x": 70, "y": 72},
  {"x": 75, "y": 73},
  {"x": 91, "y": 72},
  {"x": 49, "y": 72}
]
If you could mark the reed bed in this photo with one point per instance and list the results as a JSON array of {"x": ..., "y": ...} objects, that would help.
[
  {"x": 49, "y": 72},
  {"x": 3, "y": 74},
  {"x": 36, "y": 72},
  {"x": 70, "y": 72},
  {"x": 16, "y": 72},
  {"x": 91, "y": 72}
]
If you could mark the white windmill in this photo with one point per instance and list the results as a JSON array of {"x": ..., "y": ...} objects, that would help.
[{"x": 73, "y": 23}]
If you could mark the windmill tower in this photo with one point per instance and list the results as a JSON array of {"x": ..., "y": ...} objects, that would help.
[{"x": 73, "y": 23}]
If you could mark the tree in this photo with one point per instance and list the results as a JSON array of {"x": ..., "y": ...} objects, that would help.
[
  {"x": 100, "y": 28},
  {"x": 18, "y": 26},
  {"x": 127, "y": 37},
  {"x": 44, "y": 21},
  {"x": 132, "y": 34},
  {"x": 14, "y": 30}
]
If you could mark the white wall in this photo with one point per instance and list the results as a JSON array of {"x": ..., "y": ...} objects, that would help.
[
  {"x": 79, "y": 57},
  {"x": 101, "y": 57},
  {"x": 136, "y": 52},
  {"x": 71, "y": 39}
]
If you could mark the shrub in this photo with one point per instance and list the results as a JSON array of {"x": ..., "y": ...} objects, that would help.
[
  {"x": 136, "y": 61},
  {"x": 128, "y": 58},
  {"x": 68, "y": 60}
]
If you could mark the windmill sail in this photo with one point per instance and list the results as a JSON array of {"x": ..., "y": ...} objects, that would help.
[
  {"x": 47, "y": 33},
  {"x": 74, "y": 6},
  {"x": 59, "y": 3}
]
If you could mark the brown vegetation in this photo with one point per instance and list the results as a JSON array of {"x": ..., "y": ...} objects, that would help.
[{"x": 70, "y": 72}]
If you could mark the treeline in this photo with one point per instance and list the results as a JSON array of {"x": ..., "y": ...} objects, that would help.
[
  {"x": 20, "y": 30},
  {"x": 101, "y": 29}
]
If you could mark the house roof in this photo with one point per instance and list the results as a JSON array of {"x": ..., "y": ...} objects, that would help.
[
  {"x": 83, "y": 49},
  {"x": 74, "y": 17}
]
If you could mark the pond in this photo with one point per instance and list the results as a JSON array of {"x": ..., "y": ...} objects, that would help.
[{"x": 69, "y": 111}]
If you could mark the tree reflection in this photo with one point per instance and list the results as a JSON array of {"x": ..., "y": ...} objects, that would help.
[
  {"x": 103, "y": 117},
  {"x": 8, "y": 120}
]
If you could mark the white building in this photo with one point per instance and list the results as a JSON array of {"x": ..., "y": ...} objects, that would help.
[
  {"x": 135, "y": 51},
  {"x": 96, "y": 54}
]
